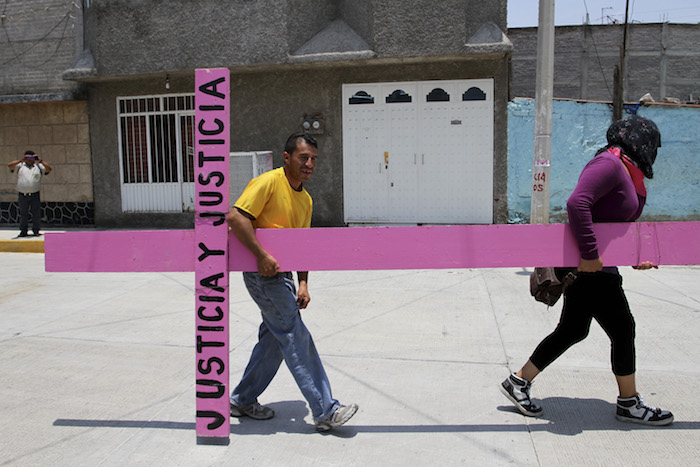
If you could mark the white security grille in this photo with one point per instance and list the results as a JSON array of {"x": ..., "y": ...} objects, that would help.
[
  {"x": 244, "y": 166},
  {"x": 156, "y": 153}
]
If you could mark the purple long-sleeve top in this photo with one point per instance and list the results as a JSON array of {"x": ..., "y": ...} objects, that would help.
[{"x": 604, "y": 193}]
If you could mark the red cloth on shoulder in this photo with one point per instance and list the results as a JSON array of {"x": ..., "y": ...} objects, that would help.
[{"x": 635, "y": 172}]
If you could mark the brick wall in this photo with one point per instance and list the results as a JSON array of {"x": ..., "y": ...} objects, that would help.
[
  {"x": 662, "y": 59},
  {"x": 58, "y": 132}
]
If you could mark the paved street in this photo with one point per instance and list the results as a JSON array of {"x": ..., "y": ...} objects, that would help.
[{"x": 99, "y": 370}]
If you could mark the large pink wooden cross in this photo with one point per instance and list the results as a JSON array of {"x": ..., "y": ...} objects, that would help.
[{"x": 212, "y": 253}]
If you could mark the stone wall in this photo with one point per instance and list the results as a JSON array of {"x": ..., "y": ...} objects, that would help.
[{"x": 58, "y": 132}]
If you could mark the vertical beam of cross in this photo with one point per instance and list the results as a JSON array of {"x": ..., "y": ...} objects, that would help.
[{"x": 212, "y": 146}]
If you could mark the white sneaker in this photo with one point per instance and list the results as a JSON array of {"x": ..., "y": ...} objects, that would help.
[
  {"x": 517, "y": 390},
  {"x": 341, "y": 415},
  {"x": 634, "y": 410}
]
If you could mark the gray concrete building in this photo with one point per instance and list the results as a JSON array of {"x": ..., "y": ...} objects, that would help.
[
  {"x": 103, "y": 90},
  {"x": 289, "y": 61}
]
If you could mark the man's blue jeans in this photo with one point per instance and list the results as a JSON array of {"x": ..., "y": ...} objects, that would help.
[{"x": 283, "y": 336}]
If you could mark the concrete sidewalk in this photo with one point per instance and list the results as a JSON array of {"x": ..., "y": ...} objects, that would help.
[
  {"x": 11, "y": 243},
  {"x": 99, "y": 369}
]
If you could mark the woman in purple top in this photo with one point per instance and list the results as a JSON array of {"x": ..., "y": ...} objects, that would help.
[{"x": 610, "y": 189}]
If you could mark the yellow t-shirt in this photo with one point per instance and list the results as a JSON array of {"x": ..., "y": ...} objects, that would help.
[{"x": 274, "y": 203}]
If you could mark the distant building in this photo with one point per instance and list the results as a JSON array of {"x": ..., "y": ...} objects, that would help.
[
  {"x": 41, "y": 111},
  {"x": 290, "y": 62},
  {"x": 408, "y": 100},
  {"x": 663, "y": 60}
]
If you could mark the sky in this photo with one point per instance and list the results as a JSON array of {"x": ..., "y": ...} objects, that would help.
[{"x": 524, "y": 13}]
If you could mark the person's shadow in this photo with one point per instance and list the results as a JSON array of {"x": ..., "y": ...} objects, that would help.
[
  {"x": 571, "y": 416},
  {"x": 562, "y": 415},
  {"x": 289, "y": 418}
]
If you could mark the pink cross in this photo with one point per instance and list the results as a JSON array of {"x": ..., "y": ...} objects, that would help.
[{"x": 212, "y": 253}]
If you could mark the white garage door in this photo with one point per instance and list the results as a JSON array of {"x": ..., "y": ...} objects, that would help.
[{"x": 418, "y": 152}]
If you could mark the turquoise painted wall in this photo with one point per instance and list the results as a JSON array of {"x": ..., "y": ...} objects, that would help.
[{"x": 578, "y": 130}]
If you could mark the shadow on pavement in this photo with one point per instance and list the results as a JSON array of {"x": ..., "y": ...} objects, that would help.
[{"x": 563, "y": 416}]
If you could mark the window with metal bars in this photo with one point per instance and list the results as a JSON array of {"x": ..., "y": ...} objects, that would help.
[
  {"x": 156, "y": 152},
  {"x": 157, "y": 136}
]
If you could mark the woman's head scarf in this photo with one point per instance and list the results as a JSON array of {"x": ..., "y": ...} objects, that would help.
[{"x": 639, "y": 138}]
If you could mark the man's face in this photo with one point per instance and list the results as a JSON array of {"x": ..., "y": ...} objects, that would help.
[
  {"x": 301, "y": 163},
  {"x": 29, "y": 159}
]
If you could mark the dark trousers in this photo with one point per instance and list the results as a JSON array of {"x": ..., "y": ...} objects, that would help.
[
  {"x": 29, "y": 203},
  {"x": 600, "y": 296}
]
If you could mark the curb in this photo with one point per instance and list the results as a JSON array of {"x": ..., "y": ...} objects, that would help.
[{"x": 22, "y": 246}]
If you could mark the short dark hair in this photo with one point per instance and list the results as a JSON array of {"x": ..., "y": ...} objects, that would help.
[
  {"x": 29, "y": 153},
  {"x": 291, "y": 144}
]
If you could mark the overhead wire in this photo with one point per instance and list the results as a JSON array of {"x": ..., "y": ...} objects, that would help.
[
  {"x": 18, "y": 55},
  {"x": 595, "y": 47}
]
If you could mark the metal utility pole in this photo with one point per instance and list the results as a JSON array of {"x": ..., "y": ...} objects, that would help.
[
  {"x": 539, "y": 205},
  {"x": 619, "y": 73}
]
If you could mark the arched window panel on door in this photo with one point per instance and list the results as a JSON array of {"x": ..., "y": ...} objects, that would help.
[
  {"x": 398, "y": 96},
  {"x": 474, "y": 94},
  {"x": 437, "y": 95},
  {"x": 361, "y": 97}
]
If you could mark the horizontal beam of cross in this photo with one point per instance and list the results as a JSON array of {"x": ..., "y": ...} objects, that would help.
[{"x": 375, "y": 248}]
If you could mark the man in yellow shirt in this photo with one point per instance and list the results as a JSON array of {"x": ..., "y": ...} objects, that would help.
[{"x": 278, "y": 199}]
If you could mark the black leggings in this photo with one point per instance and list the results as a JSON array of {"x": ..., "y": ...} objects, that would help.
[{"x": 593, "y": 295}]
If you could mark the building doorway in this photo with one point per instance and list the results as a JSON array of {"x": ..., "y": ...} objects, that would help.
[{"x": 418, "y": 152}]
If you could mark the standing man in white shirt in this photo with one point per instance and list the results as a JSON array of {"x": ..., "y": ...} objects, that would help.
[{"x": 29, "y": 172}]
